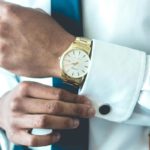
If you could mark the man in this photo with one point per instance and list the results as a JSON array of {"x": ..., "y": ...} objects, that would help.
[{"x": 117, "y": 82}]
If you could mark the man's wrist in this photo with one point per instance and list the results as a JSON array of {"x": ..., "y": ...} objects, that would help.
[{"x": 61, "y": 47}]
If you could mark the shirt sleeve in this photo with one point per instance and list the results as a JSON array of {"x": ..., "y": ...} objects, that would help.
[
  {"x": 115, "y": 79},
  {"x": 7, "y": 82}
]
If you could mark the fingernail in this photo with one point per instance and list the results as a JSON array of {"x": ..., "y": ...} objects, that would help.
[
  {"x": 75, "y": 123},
  {"x": 91, "y": 112}
]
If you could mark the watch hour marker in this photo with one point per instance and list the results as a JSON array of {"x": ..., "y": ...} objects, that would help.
[
  {"x": 83, "y": 71},
  {"x": 79, "y": 53}
]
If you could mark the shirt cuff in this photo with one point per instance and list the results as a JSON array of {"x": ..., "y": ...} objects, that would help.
[{"x": 114, "y": 79}]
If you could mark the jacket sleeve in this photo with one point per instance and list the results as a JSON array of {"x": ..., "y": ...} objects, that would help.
[{"x": 117, "y": 78}]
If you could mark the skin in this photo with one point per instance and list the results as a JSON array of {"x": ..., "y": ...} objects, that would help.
[
  {"x": 31, "y": 40},
  {"x": 33, "y": 105},
  {"x": 31, "y": 43}
]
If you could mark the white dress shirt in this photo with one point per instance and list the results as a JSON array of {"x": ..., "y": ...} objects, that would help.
[{"x": 119, "y": 71}]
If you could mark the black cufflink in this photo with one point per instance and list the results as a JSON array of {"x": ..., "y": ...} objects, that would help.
[{"x": 104, "y": 109}]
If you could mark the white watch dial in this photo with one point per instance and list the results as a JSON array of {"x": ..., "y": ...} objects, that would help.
[{"x": 75, "y": 63}]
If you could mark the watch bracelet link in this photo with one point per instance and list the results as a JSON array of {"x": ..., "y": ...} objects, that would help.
[
  {"x": 76, "y": 82},
  {"x": 83, "y": 43}
]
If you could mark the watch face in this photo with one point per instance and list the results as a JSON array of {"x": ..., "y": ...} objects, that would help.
[{"x": 75, "y": 63}]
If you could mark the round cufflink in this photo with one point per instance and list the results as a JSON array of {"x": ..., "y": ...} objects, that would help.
[{"x": 104, "y": 109}]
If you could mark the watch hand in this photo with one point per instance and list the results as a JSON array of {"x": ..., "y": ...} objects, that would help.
[{"x": 76, "y": 63}]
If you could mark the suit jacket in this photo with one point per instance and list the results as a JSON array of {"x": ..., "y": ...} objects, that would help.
[{"x": 119, "y": 72}]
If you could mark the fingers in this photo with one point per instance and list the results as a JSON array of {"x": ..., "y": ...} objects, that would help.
[
  {"x": 53, "y": 107},
  {"x": 24, "y": 138},
  {"x": 45, "y": 121},
  {"x": 41, "y": 91}
]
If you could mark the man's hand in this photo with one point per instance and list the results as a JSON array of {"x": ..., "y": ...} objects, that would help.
[
  {"x": 33, "y": 105},
  {"x": 31, "y": 42}
]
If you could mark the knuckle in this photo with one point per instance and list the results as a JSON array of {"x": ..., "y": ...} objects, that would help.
[
  {"x": 79, "y": 98},
  {"x": 12, "y": 124},
  {"x": 75, "y": 98},
  {"x": 54, "y": 107},
  {"x": 24, "y": 88},
  {"x": 9, "y": 8},
  {"x": 41, "y": 121},
  {"x": 59, "y": 94},
  {"x": 78, "y": 110},
  {"x": 15, "y": 104}
]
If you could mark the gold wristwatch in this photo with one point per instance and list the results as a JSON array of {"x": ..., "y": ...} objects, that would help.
[{"x": 74, "y": 62}]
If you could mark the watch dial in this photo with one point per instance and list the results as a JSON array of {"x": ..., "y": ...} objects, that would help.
[{"x": 75, "y": 63}]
